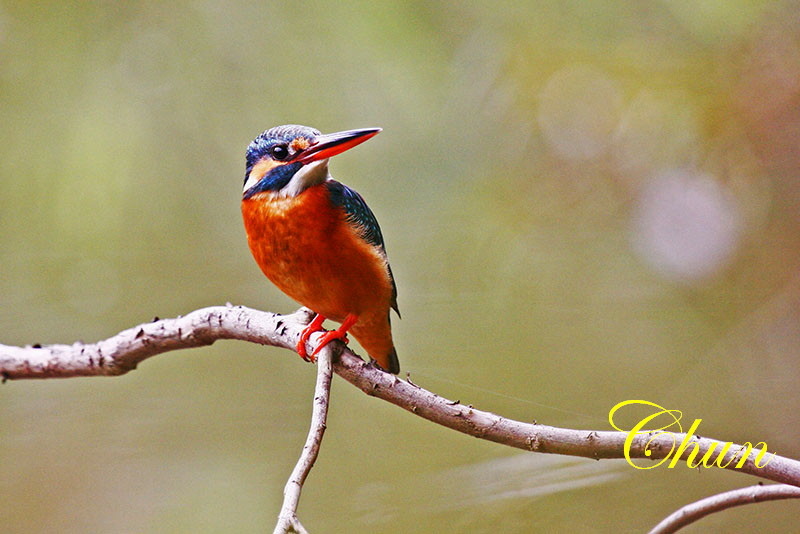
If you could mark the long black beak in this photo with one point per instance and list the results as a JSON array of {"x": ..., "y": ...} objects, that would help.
[{"x": 328, "y": 145}]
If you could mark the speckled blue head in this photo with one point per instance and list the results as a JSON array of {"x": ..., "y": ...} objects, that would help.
[
  {"x": 289, "y": 159},
  {"x": 279, "y": 135},
  {"x": 276, "y": 144}
]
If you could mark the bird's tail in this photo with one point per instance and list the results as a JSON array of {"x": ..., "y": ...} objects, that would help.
[
  {"x": 376, "y": 338},
  {"x": 393, "y": 362},
  {"x": 387, "y": 362}
]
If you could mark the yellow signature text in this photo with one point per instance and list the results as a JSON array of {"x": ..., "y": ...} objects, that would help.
[{"x": 690, "y": 446}]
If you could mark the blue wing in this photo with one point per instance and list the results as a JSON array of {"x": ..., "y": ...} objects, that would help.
[{"x": 359, "y": 214}]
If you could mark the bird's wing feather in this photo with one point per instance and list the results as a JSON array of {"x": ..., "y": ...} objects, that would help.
[{"x": 359, "y": 215}]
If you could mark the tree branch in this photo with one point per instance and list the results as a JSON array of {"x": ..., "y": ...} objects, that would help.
[
  {"x": 716, "y": 503},
  {"x": 123, "y": 352}
]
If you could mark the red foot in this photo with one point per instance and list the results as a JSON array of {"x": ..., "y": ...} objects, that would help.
[
  {"x": 339, "y": 333},
  {"x": 314, "y": 326}
]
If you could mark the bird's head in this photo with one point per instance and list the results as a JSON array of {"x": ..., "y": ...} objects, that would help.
[{"x": 289, "y": 159}]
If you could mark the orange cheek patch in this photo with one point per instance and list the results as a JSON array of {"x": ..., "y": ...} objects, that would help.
[{"x": 260, "y": 169}]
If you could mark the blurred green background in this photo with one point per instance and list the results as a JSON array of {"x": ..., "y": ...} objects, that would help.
[{"x": 583, "y": 203}]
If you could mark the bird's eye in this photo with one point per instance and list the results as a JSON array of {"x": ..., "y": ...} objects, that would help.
[{"x": 279, "y": 152}]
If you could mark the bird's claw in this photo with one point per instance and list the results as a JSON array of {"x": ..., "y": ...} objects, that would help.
[
  {"x": 314, "y": 326},
  {"x": 301, "y": 350},
  {"x": 327, "y": 337}
]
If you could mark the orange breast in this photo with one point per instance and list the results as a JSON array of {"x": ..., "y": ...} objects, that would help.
[{"x": 306, "y": 247}]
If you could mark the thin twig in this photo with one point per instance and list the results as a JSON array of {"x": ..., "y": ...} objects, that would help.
[
  {"x": 287, "y": 518},
  {"x": 716, "y": 503}
]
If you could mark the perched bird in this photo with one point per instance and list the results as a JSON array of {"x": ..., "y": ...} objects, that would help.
[{"x": 317, "y": 240}]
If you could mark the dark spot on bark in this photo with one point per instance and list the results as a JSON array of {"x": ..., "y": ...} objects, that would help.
[
  {"x": 37, "y": 345},
  {"x": 140, "y": 333}
]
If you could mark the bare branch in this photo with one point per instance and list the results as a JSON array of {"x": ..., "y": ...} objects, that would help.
[
  {"x": 123, "y": 352},
  {"x": 287, "y": 518},
  {"x": 541, "y": 438},
  {"x": 716, "y": 503}
]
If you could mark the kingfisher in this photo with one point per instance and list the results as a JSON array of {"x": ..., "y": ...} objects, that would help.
[{"x": 317, "y": 240}]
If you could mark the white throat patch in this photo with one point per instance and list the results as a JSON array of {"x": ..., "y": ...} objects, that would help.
[
  {"x": 312, "y": 174},
  {"x": 308, "y": 175},
  {"x": 251, "y": 181}
]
